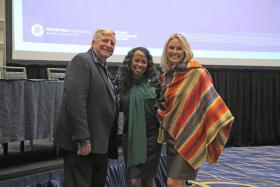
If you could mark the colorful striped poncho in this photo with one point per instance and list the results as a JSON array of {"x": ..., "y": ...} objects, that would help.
[{"x": 195, "y": 115}]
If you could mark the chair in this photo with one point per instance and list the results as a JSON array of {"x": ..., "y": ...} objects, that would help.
[
  {"x": 11, "y": 72},
  {"x": 56, "y": 73}
]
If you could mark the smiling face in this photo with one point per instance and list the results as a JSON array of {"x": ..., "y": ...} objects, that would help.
[
  {"x": 175, "y": 52},
  {"x": 139, "y": 64},
  {"x": 104, "y": 45}
]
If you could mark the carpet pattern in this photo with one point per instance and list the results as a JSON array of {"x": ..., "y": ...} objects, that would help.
[
  {"x": 255, "y": 166},
  {"x": 237, "y": 166}
]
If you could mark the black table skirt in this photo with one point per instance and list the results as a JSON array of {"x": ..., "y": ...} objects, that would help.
[{"x": 28, "y": 108}]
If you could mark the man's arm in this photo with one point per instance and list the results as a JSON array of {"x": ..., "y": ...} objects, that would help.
[{"x": 76, "y": 87}]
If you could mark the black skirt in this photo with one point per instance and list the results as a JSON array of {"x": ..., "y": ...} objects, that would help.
[
  {"x": 151, "y": 165},
  {"x": 177, "y": 167}
]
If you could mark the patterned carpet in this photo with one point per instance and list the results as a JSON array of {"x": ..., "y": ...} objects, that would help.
[
  {"x": 253, "y": 166},
  {"x": 237, "y": 166}
]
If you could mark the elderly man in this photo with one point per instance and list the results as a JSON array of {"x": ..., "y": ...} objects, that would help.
[{"x": 88, "y": 114}]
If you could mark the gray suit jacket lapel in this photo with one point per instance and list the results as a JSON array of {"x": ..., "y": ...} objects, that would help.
[{"x": 104, "y": 76}]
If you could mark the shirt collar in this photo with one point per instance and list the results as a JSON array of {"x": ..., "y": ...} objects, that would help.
[{"x": 97, "y": 60}]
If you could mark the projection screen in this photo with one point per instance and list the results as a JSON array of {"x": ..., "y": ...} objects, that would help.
[{"x": 232, "y": 32}]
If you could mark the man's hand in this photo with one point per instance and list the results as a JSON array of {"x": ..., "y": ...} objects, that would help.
[{"x": 85, "y": 150}]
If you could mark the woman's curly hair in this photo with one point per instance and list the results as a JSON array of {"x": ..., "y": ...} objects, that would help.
[{"x": 124, "y": 78}]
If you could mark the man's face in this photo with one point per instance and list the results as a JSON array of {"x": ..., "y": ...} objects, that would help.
[{"x": 104, "y": 45}]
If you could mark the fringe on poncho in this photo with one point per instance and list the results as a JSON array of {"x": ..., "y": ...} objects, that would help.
[{"x": 195, "y": 115}]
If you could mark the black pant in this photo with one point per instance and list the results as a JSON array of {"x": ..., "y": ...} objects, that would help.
[{"x": 85, "y": 171}]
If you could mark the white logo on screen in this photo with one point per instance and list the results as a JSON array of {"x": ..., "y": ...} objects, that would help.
[{"x": 37, "y": 30}]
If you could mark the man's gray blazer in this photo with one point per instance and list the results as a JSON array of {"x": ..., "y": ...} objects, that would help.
[{"x": 88, "y": 108}]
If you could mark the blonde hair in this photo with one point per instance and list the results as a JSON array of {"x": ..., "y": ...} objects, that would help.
[
  {"x": 101, "y": 32},
  {"x": 186, "y": 48}
]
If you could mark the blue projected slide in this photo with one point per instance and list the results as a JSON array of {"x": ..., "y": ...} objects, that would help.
[{"x": 235, "y": 30}]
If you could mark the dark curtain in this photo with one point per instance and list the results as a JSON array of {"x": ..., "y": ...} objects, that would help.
[{"x": 252, "y": 95}]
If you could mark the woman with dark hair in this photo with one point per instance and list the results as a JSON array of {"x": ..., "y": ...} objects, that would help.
[{"x": 138, "y": 84}]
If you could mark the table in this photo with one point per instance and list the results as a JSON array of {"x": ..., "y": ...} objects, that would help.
[{"x": 29, "y": 108}]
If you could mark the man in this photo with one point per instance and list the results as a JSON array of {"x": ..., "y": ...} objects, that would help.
[{"x": 88, "y": 114}]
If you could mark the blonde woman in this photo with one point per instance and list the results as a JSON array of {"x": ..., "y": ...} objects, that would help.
[{"x": 195, "y": 120}]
